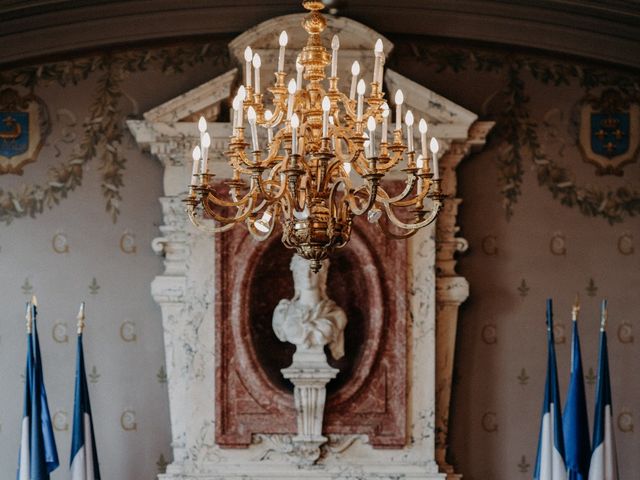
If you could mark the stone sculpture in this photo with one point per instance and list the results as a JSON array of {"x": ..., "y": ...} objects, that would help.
[{"x": 310, "y": 320}]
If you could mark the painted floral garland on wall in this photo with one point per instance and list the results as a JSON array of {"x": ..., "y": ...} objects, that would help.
[
  {"x": 517, "y": 131},
  {"x": 103, "y": 131}
]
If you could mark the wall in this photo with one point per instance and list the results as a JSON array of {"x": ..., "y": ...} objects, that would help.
[
  {"x": 526, "y": 246},
  {"x": 501, "y": 356},
  {"x": 124, "y": 347}
]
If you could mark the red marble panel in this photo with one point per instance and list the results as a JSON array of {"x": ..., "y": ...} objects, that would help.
[{"x": 368, "y": 279}]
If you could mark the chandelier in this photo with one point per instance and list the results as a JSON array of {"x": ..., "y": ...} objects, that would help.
[{"x": 324, "y": 159}]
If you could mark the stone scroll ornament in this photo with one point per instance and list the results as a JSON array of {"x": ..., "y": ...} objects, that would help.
[{"x": 310, "y": 320}]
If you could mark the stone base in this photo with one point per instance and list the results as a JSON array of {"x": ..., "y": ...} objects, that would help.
[{"x": 336, "y": 472}]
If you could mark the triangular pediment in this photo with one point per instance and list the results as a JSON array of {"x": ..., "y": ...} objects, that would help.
[{"x": 204, "y": 100}]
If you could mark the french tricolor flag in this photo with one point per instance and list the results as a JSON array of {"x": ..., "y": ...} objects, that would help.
[
  {"x": 550, "y": 462},
  {"x": 38, "y": 455},
  {"x": 84, "y": 456},
  {"x": 604, "y": 461}
]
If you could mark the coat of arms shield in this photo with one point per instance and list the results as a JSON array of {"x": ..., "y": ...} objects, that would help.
[
  {"x": 610, "y": 132},
  {"x": 23, "y": 126}
]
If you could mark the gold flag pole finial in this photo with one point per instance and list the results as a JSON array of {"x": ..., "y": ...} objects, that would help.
[
  {"x": 80, "y": 318},
  {"x": 604, "y": 315},
  {"x": 576, "y": 308},
  {"x": 29, "y": 317}
]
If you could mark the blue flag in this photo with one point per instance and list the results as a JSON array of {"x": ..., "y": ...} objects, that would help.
[
  {"x": 575, "y": 419},
  {"x": 550, "y": 461},
  {"x": 604, "y": 460},
  {"x": 84, "y": 456},
  {"x": 38, "y": 454}
]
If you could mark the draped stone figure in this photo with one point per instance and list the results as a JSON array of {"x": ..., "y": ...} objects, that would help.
[{"x": 310, "y": 320}]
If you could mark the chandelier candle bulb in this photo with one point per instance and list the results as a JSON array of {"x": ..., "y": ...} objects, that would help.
[
  {"x": 257, "y": 63},
  {"x": 420, "y": 166},
  {"x": 248, "y": 57},
  {"x": 295, "y": 123},
  {"x": 385, "y": 121},
  {"x": 196, "y": 166},
  {"x": 236, "y": 106},
  {"x": 326, "y": 106},
  {"x": 333, "y": 137},
  {"x": 378, "y": 52},
  {"x": 434, "y": 147},
  {"x": 399, "y": 99},
  {"x": 299, "y": 71},
  {"x": 291, "y": 88},
  {"x": 282, "y": 41},
  {"x": 371, "y": 126},
  {"x": 202, "y": 125},
  {"x": 408, "y": 119},
  {"x": 268, "y": 115},
  {"x": 206, "y": 143},
  {"x": 361, "y": 89},
  {"x": 355, "y": 71},
  {"x": 251, "y": 117},
  {"x": 335, "y": 46},
  {"x": 242, "y": 95},
  {"x": 422, "y": 126}
]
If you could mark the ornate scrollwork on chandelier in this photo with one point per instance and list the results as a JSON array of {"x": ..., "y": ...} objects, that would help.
[{"x": 325, "y": 158}]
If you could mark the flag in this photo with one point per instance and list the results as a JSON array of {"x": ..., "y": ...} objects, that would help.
[
  {"x": 550, "y": 464},
  {"x": 38, "y": 455},
  {"x": 575, "y": 421},
  {"x": 84, "y": 456},
  {"x": 604, "y": 461}
]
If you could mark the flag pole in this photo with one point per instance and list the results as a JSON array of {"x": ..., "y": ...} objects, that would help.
[{"x": 604, "y": 315}]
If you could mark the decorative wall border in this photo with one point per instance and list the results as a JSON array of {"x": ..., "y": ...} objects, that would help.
[
  {"x": 104, "y": 127},
  {"x": 516, "y": 135}
]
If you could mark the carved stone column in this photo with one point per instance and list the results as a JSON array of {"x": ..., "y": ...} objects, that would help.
[{"x": 451, "y": 289}]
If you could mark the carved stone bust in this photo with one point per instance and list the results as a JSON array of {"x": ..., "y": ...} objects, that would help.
[{"x": 310, "y": 320}]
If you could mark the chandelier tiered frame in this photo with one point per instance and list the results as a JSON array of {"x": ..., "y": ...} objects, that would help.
[{"x": 326, "y": 156}]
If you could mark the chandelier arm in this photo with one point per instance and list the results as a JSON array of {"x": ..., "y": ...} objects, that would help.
[
  {"x": 411, "y": 181},
  {"x": 241, "y": 216},
  {"x": 211, "y": 197},
  {"x": 437, "y": 204},
  {"x": 271, "y": 198},
  {"x": 274, "y": 150},
  {"x": 395, "y": 236},
  {"x": 207, "y": 228},
  {"x": 353, "y": 206}
]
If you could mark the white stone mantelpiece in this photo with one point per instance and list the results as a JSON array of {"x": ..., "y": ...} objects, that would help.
[{"x": 185, "y": 291}]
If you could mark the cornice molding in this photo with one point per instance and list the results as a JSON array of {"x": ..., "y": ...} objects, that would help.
[{"x": 603, "y": 31}]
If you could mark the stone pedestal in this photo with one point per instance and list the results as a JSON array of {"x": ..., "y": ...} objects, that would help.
[{"x": 310, "y": 396}]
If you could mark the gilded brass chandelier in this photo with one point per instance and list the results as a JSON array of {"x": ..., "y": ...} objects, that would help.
[{"x": 324, "y": 160}]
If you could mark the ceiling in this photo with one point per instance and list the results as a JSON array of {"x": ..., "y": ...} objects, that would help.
[{"x": 609, "y": 31}]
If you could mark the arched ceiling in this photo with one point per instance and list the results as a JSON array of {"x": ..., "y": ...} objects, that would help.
[{"x": 599, "y": 30}]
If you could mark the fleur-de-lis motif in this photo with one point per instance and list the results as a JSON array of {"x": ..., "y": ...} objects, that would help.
[
  {"x": 162, "y": 375},
  {"x": 523, "y": 466},
  {"x": 26, "y": 287},
  {"x": 523, "y": 288},
  {"x": 94, "y": 376},
  {"x": 523, "y": 378},
  {"x": 94, "y": 287},
  {"x": 592, "y": 289},
  {"x": 590, "y": 377},
  {"x": 162, "y": 464}
]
